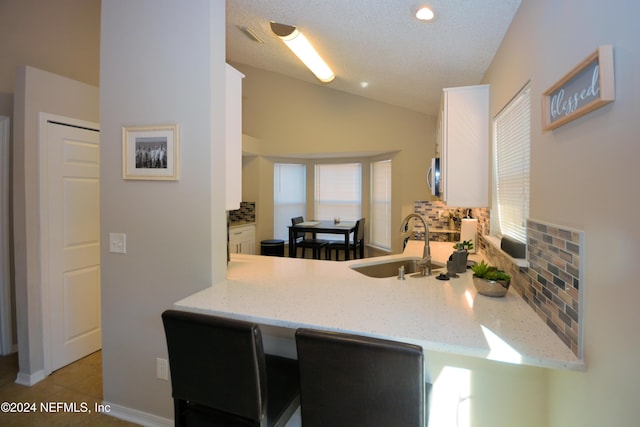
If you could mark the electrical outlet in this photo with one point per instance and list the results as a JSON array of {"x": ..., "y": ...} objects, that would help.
[
  {"x": 162, "y": 369},
  {"x": 118, "y": 243}
]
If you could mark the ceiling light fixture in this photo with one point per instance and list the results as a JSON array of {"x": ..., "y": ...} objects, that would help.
[
  {"x": 301, "y": 47},
  {"x": 424, "y": 13}
]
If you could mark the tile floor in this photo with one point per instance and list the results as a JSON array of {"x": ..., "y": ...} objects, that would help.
[{"x": 78, "y": 384}]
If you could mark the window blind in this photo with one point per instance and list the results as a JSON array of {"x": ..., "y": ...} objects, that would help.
[
  {"x": 289, "y": 196},
  {"x": 512, "y": 136},
  {"x": 338, "y": 191},
  {"x": 380, "y": 224}
]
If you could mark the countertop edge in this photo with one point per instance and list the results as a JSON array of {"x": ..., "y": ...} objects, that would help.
[
  {"x": 213, "y": 300},
  {"x": 564, "y": 365}
]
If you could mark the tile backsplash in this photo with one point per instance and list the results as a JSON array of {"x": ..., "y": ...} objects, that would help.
[
  {"x": 246, "y": 213},
  {"x": 554, "y": 254},
  {"x": 552, "y": 284},
  {"x": 444, "y": 222}
]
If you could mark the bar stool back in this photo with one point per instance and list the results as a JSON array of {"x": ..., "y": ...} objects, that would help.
[
  {"x": 352, "y": 380},
  {"x": 221, "y": 376}
]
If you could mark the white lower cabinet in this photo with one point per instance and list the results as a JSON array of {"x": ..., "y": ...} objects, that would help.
[{"x": 242, "y": 239}]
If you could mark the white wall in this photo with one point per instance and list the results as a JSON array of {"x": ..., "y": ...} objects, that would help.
[
  {"x": 585, "y": 175},
  {"x": 157, "y": 68},
  {"x": 36, "y": 91},
  {"x": 62, "y": 37}
]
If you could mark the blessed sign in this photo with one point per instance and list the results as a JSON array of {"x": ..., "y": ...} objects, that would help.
[{"x": 588, "y": 86}]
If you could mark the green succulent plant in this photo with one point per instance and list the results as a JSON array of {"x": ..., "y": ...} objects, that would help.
[
  {"x": 480, "y": 268},
  {"x": 488, "y": 272},
  {"x": 464, "y": 245}
]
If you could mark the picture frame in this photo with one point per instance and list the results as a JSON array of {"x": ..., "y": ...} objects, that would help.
[
  {"x": 587, "y": 87},
  {"x": 150, "y": 152}
]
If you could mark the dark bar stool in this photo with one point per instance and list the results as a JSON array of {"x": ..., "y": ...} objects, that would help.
[
  {"x": 221, "y": 376},
  {"x": 352, "y": 380},
  {"x": 272, "y": 247}
]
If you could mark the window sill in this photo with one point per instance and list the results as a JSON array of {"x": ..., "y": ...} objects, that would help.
[{"x": 495, "y": 242}]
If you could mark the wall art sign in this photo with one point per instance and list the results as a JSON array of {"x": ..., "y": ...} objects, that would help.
[
  {"x": 589, "y": 86},
  {"x": 150, "y": 152}
]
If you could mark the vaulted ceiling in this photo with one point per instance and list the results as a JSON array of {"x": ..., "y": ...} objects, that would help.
[{"x": 406, "y": 62}]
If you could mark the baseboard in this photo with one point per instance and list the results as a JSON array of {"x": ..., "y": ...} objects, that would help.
[
  {"x": 135, "y": 416},
  {"x": 30, "y": 379},
  {"x": 13, "y": 348}
]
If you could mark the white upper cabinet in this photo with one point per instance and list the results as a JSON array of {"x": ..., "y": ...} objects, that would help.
[
  {"x": 463, "y": 146},
  {"x": 233, "y": 138}
]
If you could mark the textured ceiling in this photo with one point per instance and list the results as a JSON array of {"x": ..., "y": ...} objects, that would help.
[{"x": 405, "y": 61}]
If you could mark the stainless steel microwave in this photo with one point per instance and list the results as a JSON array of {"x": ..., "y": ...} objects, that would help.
[{"x": 433, "y": 177}]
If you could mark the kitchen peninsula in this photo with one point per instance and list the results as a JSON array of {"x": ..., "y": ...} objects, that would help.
[{"x": 441, "y": 316}]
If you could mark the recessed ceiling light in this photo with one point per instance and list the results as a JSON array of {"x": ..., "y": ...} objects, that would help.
[
  {"x": 364, "y": 84},
  {"x": 425, "y": 14}
]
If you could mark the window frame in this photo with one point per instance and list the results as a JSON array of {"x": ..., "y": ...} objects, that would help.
[
  {"x": 381, "y": 238},
  {"x": 280, "y": 223},
  {"x": 320, "y": 211},
  {"x": 511, "y": 143}
]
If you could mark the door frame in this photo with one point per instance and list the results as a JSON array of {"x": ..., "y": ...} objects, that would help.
[
  {"x": 43, "y": 120},
  {"x": 6, "y": 323}
]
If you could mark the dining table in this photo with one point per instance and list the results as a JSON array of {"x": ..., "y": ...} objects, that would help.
[{"x": 344, "y": 228}]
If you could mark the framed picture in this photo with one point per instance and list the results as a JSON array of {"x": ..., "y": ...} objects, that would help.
[
  {"x": 588, "y": 86},
  {"x": 150, "y": 152}
]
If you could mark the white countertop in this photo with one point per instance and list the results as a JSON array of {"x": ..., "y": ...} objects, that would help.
[{"x": 444, "y": 316}]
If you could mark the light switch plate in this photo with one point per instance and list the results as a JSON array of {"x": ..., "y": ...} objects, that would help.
[
  {"x": 162, "y": 368},
  {"x": 118, "y": 243}
]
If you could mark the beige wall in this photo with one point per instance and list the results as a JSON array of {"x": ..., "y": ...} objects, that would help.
[
  {"x": 291, "y": 118},
  {"x": 176, "y": 231},
  {"x": 585, "y": 175},
  {"x": 60, "y": 36}
]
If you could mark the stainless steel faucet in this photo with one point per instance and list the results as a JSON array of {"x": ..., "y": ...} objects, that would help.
[{"x": 425, "y": 262}]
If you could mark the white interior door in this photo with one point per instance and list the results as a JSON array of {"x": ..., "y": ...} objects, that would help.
[{"x": 73, "y": 171}]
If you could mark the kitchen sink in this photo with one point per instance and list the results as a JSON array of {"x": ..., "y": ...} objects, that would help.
[{"x": 390, "y": 268}]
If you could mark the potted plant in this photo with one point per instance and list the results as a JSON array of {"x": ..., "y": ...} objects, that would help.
[
  {"x": 459, "y": 257},
  {"x": 489, "y": 280},
  {"x": 465, "y": 245}
]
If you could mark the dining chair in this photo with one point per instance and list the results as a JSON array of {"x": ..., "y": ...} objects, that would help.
[
  {"x": 220, "y": 375},
  {"x": 301, "y": 240},
  {"x": 356, "y": 244},
  {"x": 352, "y": 380}
]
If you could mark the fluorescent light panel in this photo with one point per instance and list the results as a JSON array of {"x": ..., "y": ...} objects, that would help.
[{"x": 300, "y": 46}]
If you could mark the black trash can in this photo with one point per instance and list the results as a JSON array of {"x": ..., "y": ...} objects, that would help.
[{"x": 272, "y": 247}]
